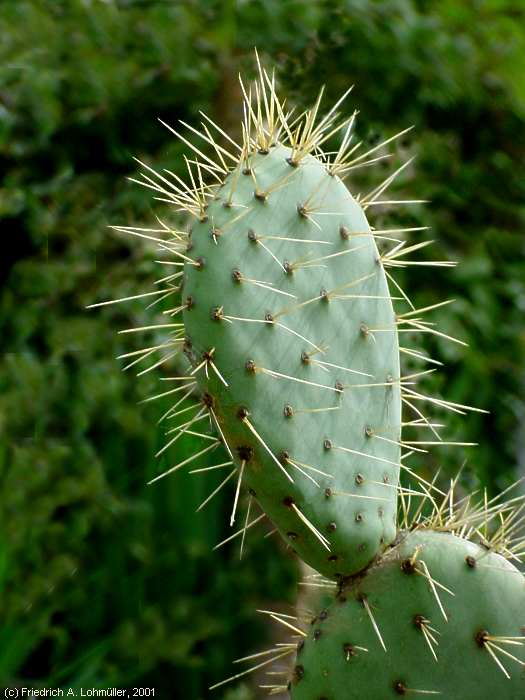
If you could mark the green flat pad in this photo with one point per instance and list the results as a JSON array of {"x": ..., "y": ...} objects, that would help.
[
  {"x": 489, "y": 597},
  {"x": 243, "y": 274}
]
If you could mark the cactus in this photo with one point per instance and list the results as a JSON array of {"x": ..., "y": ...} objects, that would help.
[
  {"x": 284, "y": 315},
  {"x": 437, "y": 614}
]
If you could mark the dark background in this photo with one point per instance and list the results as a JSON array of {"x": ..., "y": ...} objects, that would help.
[{"x": 103, "y": 580}]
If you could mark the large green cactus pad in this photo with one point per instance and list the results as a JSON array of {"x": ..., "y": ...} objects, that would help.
[
  {"x": 287, "y": 284},
  {"x": 437, "y": 615},
  {"x": 288, "y": 324}
]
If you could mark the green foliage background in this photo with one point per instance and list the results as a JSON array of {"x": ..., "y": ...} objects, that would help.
[{"x": 104, "y": 581}]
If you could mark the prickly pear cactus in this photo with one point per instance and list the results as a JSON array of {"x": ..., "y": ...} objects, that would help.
[
  {"x": 436, "y": 616},
  {"x": 284, "y": 314}
]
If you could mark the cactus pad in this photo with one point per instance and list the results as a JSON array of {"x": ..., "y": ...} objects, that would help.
[
  {"x": 284, "y": 312},
  {"x": 438, "y": 615},
  {"x": 286, "y": 283}
]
